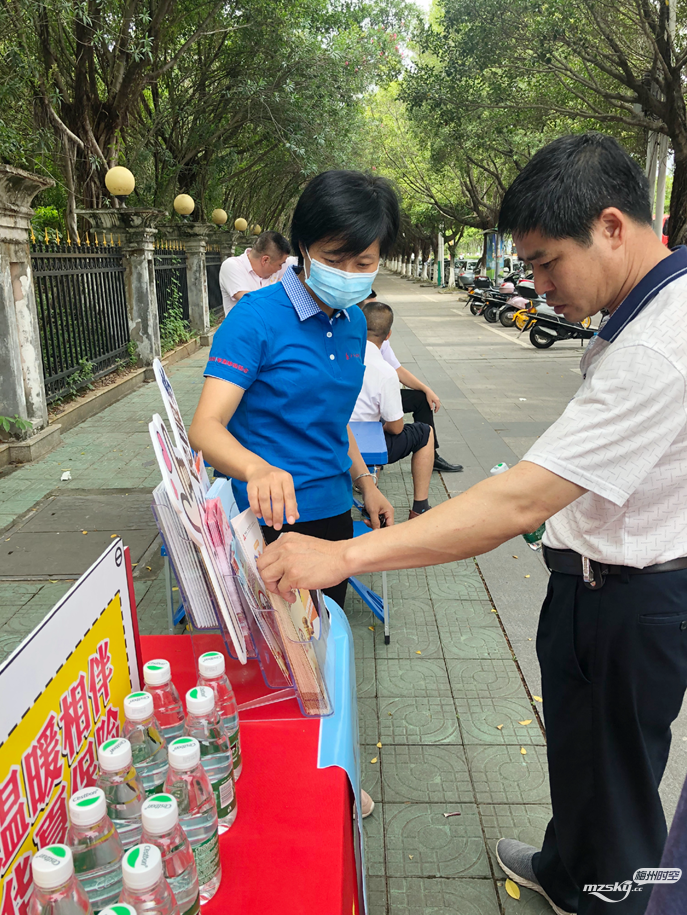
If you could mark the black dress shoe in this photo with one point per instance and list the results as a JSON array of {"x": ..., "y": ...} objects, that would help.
[{"x": 443, "y": 465}]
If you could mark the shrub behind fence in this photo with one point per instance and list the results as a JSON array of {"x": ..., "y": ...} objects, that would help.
[{"x": 82, "y": 313}]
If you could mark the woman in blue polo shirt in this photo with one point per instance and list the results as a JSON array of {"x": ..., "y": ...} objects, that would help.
[{"x": 287, "y": 364}]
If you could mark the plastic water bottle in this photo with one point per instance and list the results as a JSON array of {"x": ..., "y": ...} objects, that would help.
[
  {"x": 203, "y": 723},
  {"x": 211, "y": 672},
  {"x": 145, "y": 886},
  {"x": 169, "y": 712},
  {"x": 532, "y": 540},
  {"x": 124, "y": 792},
  {"x": 56, "y": 891},
  {"x": 95, "y": 846},
  {"x": 188, "y": 782},
  {"x": 148, "y": 746},
  {"x": 161, "y": 827}
]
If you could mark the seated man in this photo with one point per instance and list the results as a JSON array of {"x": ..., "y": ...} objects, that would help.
[
  {"x": 417, "y": 398},
  {"x": 380, "y": 401},
  {"x": 263, "y": 264}
]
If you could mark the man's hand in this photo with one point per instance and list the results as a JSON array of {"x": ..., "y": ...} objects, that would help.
[
  {"x": 271, "y": 495},
  {"x": 433, "y": 400},
  {"x": 294, "y": 559},
  {"x": 377, "y": 504}
]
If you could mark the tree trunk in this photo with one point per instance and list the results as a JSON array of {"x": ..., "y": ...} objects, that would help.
[{"x": 678, "y": 198}]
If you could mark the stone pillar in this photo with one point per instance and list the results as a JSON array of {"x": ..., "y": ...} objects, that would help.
[
  {"x": 195, "y": 237},
  {"x": 22, "y": 390},
  {"x": 137, "y": 226},
  {"x": 227, "y": 243}
]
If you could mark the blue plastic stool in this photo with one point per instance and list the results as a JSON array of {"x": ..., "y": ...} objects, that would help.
[
  {"x": 173, "y": 616},
  {"x": 378, "y": 605}
]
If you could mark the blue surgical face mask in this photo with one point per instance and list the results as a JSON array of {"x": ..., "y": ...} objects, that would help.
[{"x": 337, "y": 288}]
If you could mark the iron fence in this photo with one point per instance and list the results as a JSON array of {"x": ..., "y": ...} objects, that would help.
[
  {"x": 213, "y": 261},
  {"x": 170, "y": 280},
  {"x": 82, "y": 313}
]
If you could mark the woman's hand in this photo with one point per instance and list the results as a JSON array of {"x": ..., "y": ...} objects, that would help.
[
  {"x": 296, "y": 561},
  {"x": 271, "y": 495},
  {"x": 376, "y": 504}
]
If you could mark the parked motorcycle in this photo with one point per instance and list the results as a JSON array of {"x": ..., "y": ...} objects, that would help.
[{"x": 545, "y": 330}]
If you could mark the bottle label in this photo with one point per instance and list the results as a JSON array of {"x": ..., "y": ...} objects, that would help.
[
  {"x": 225, "y": 796},
  {"x": 156, "y": 789},
  {"x": 195, "y": 908},
  {"x": 206, "y": 856},
  {"x": 535, "y": 536},
  {"x": 235, "y": 743}
]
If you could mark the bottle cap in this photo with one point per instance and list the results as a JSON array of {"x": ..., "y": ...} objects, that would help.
[
  {"x": 183, "y": 753},
  {"x": 159, "y": 814},
  {"x": 498, "y": 468},
  {"x": 52, "y": 866},
  {"x": 211, "y": 664},
  {"x": 87, "y": 807},
  {"x": 115, "y": 754},
  {"x": 138, "y": 706},
  {"x": 200, "y": 700},
  {"x": 141, "y": 867},
  {"x": 119, "y": 908},
  {"x": 157, "y": 672}
]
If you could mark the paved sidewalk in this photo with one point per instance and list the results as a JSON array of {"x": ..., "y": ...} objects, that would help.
[{"x": 445, "y": 699}]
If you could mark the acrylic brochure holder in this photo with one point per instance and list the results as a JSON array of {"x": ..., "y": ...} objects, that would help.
[{"x": 284, "y": 651}]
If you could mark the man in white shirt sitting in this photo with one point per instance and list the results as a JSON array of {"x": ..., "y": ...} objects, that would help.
[
  {"x": 380, "y": 401},
  {"x": 263, "y": 264},
  {"x": 417, "y": 398}
]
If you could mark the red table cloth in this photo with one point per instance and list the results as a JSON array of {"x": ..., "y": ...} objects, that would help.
[{"x": 291, "y": 849}]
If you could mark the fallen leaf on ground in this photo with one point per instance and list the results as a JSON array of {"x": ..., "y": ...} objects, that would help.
[
  {"x": 84, "y": 532},
  {"x": 499, "y": 726},
  {"x": 112, "y": 536},
  {"x": 175, "y": 589},
  {"x": 523, "y": 751},
  {"x": 456, "y": 814},
  {"x": 526, "y": 721},
  {"x": 418, "y": 652},
  {"x": 371, "y": 628},
  {"x": 374, "y": 760},
  {"x": 493, "y": 609},
  {"x": 515, "y": 557},
  {"x": 537, "y": 698},
  {"x": 379, "y": 745},
  {"x": 149, "y": 568},
  {"x": 411, "y": 857},
  {"x": 512, "y": 889},
  {"x": 390, "y": 714},
  {"x": 527, "y": 576}
]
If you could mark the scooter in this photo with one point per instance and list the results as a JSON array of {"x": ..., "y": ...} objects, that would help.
[{"x": 545, "y": 330}]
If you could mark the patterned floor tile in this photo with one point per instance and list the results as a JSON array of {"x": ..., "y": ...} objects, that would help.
[
  {"x": 417, "y": 678},
  {"x": 373, "y": 837},
  {"x": 461, "y": 640},
  {"x": 366, "y": 678},
  {"x": 502, "y": 775},
  {"x": 480, "y": 720},
  {"x": 368, "y": 723},
  {"x": 450, "y": 583},
  {"x": 470, "y": 612},
  {"x": 524, "y": 822},
  {"x": 418, "y": 896},
  {"x": 529, "y": 903},
  {"x": 405, "y": 584},
  {"x": 421, "y": 842},
  {"x": 413, "y": 629},
  {"x": 431, "y": 775},
  {"x": 418, "y": 721},
  {"x": 371, "y": 773},
  {"x": 363, "y": 642},
  {"x": 376, "y": 895},
  {"x": 472, "y": 679}
]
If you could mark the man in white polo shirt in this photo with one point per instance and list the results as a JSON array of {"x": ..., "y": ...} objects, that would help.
[
  {"x": 380, "y": 401},
  {"x": 610, "y": 480},
  {"x": 263, "y": 264}
]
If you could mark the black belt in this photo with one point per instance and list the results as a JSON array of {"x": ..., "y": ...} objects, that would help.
[{"x": 594, "y": 573}]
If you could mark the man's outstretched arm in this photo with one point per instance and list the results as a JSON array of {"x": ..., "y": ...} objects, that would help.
[{"x": 493, "y": 511}]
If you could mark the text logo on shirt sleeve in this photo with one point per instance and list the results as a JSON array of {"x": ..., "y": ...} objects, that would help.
[{"x": 233, "y": 365}]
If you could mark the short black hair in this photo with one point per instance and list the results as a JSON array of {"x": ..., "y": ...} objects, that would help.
[
  {"x": 565, "y": 187},
  {"x": 379, "y": 317},
  {"x": 269, "y": 241},
  {"x": 355, "y": 208}
]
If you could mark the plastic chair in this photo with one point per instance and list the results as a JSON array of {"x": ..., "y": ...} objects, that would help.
[{"x": 378, "y": 605}]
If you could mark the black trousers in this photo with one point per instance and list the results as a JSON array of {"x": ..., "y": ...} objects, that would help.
[
  {"x": 614, "y": 671},
  {"x": 415, "y": 402},
  {"x": 340, "y": 527}
]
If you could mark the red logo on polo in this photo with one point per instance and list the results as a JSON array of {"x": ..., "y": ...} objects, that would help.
[{"x": 233, "y": 365}]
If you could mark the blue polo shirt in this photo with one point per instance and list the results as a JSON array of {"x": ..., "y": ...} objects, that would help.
[{"x": 301, "y": 372}]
